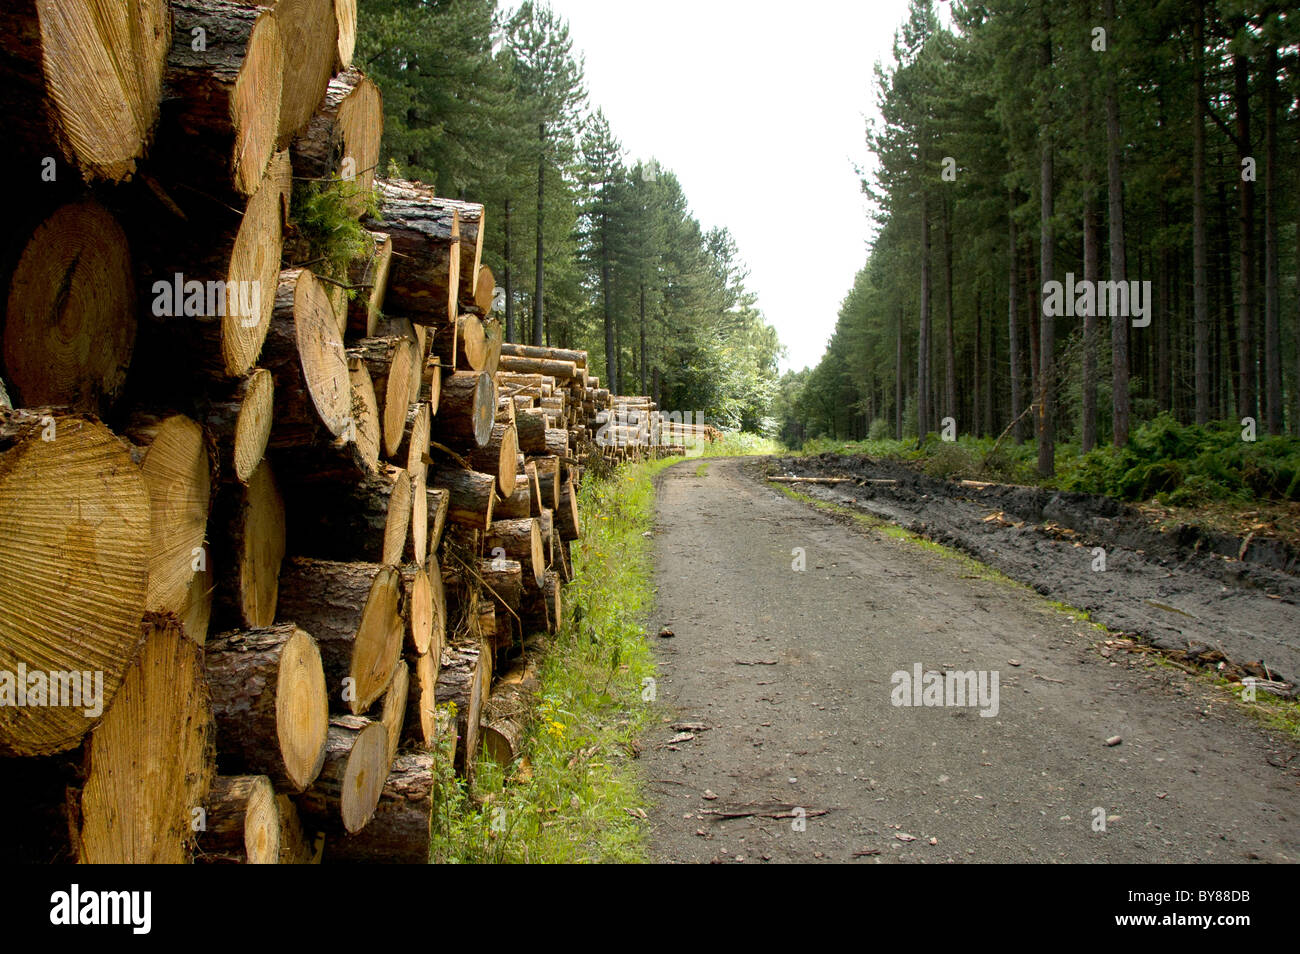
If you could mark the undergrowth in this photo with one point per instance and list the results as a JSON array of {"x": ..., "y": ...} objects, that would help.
[{"x": 574, "y": 794}]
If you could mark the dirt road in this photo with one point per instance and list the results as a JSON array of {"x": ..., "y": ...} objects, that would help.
[{"x": 778, "y": 692}]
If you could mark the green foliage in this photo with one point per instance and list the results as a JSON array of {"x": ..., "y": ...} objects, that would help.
[
  {"x": 1187, "y": 465},
  {"x": 325, "y": 219}
]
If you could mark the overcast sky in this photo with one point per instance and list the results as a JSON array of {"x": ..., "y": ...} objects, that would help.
[{"x": 759, "y": 109}]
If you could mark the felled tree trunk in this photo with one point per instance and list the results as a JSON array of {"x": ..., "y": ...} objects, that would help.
[
  {"x": 499, "y": 457},
  {"x": 178, "y": 474},
  {"x": 250, "y": 548},
  {"x": 367, "y": 521},
  {"x": 140, "y": 792},
  {"x": 399, "y": 831},
  {"x": 237, "y": 419},
  {"x": 353, "y": 611},
  {"x": 369, "y": 275},
  {"x": 242, "y": 823},
  {"x": 342, "y": 137},
  {"x": 424, "y": 273},
  {"x": 471, "y": 496},
  {"x": 69, "y": 329},
  {"x": 467, "y": 410},
  {"x": 520, "y": 540},
  {"x": 460, "y": 681},
  {"x": 76, "y": 518},
  {"x": 223, "y": 109},
  {"x": 508, "y": 711},
  {"x": 344, "y": 796},
  {"x": 270, "y": 701},
  {"x": 85, "y": 79}
]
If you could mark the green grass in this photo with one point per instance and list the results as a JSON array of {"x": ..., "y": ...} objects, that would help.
[
  {"x": 702, "y": 470},
  {"x": 1274, "y": 712},
  {"x": 574, "y": 796},
  {"x": 743, "y": 444}
]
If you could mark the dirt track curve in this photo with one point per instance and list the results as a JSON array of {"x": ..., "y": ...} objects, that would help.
[{"x": 778, "y": 739}]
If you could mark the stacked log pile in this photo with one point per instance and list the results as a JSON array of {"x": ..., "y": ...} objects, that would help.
[
  {"x": 275, "y": 536},
  {"x": 255, "y": 531}
]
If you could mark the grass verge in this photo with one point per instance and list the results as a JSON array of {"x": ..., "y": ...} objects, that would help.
[
  {"x": 1274, "y": 712},
  {"x": 574, "y": 795}
]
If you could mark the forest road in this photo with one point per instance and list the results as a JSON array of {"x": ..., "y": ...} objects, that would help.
[{"x": 777, "y": 736}]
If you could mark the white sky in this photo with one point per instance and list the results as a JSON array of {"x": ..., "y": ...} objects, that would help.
[{"x": 758, "y": 107}]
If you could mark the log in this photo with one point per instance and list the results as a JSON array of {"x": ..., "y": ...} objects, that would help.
[
  {"x": 420, "y": 608},
  {"x": 548, "y": 479},
  {"x": 536, "y": 353},
  {"x": 501, "y": 579},
  {"x": 499, "y": 457},
  {"x": 471, "y": 497},
  {"x": 531, "y": 427},
  {"x": 271, "y": 704},
  {"x": 425, "y": 269},
  {"x": 74, "y": 549},
  {"x": 296, "y": 848},
  {"x": 149, "y": 762},
  {"x": 460, "y": 681},
  {"x": 83, "y": 79},
  {"x": 70, "y": 325},
  {"x": 422, "y": 726},
  {"x": 304, "y": 351},
  {"x": 368, "y": 274},
  {"x": 398, "y": 833},
  {"x": 345, "y": 13},
  {"x": 177, "y": 473},
  {"x": 415, "y": 438},
  {"x": 419, "y": 549},
  {"x": 248, "y": 550},
  {"x": 241, "y": 823},
  {"x": 237, "y": 419},
  {"x": 344, "y": 797},
  {"x": 342, "y": 137},
  {"x": 389, "y": 360},
  {"x": 546, "y": 524},
  {"x": 567, "y": 518},
  {"x": 507, "y": 712},
  {"x": 560, "y": 370},
  {"x": 215, "y": 272},
  {"x": 439, "y": 503},
  {"x": 393, "y": 717},
  {"x": 309, "y": 30},
  {"x": 535, "y": 502},
  {"x": 472, "y": 229},
  {"x": 540, "y": 607},
  {"x": 519, "y": 540},
  {"x": 519, "y": 504},
  {"x": 557, "y": 442},
  {"x": 352, "y": 609},
  {"x": 363, "y": 429},
  {"x": 467, "y": 411},
  {"x": 485, "y": 289},
  {"x": 366, "y": 521},
  {"x": 223, "y": 105},
  {"x": 462, "y": 346}
]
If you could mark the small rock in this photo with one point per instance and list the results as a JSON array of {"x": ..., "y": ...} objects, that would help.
[
  {"x": 666, "y": 633},
  {"x": 708, "y": 795},
  {"x": 1114, "y": 740},
  {"x": 904, "y": 836},
  {"x": 934, "y": 841},
  {"x": 1013, "y": 662}
]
